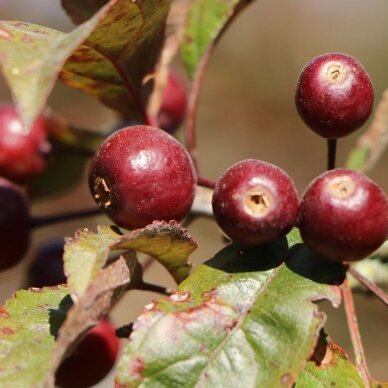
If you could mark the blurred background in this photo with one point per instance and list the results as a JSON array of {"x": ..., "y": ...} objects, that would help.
[{"x": 246, "y": 111}]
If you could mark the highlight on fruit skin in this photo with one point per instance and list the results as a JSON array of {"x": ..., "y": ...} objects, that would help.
[
  {"x": 334, "y": 95},
  {"x": 14, "y": 224},
  {"x": 255, "y": 202},
  {"x": 21, "y": 153},
  {"x": 343, "y": 215},
  {"x": 141, "y": 174}
]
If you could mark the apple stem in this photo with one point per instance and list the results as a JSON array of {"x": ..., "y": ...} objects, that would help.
[
  {"x": 331, "y": 153},
  {"x": 154, "y": 288},
  {"x": 204, "y": 182},
  {"x": 369, "y": 285},
  {"x": 355, "y": 335},
  {"x": 41, "y": 221}
]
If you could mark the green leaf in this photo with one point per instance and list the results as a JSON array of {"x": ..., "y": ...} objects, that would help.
[
  {"x": 108, "y": 56},
  {"x": 103, "y": 292},
  {"x": 80, "y": 11},
  {"x": 329, "y": 367},
  {"x": 31, "y": 58},
  {"x": 242, "y": 319},
  {"x": 206, "y": 22},
  {"x": 87, "y": 252},
  {"x": 121, "y": 52},
  {"x": 29, "y": 323}
]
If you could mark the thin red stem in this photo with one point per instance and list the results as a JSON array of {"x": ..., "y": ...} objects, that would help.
[
  {"x": 369, "y": 285},
  {"x": 204, "y": 182},
  {"x": 196, "y": 86},
  {"x": 355, "y": 333},
  {"x": 40, "y": 221}
]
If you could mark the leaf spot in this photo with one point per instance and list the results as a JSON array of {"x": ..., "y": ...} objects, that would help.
[
  {"x": 179, "y": 297},
  {"x": 136, "y": 367},
  {"x": 285, "y": 379},
  {"x": 4, "y": 34},
  {"x": 149, "y": 306},
  {"x": 6, "y": 330}
]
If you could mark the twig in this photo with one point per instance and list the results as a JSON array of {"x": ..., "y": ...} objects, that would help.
[
  {"x": 331, "y": 153},
  {"x": 355, "y": 333},
  {"x": 369, "y": 285},
  {"x": 204, "y": 182},
  {"x": 40, "y": 221},
  {"x": 154, "y": 288}
]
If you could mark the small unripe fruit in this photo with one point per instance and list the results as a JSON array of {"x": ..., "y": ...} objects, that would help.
[
  {"x": 46, "y": 266},
  {"x": 92, "y": 359},
  {"x": 343, "y": 215},
  {"x": 334, "y": 95},
  {"x": 21, "y": 154},
  {"x": 14, "y": 224},
  {"x": 174, "y": 103},
  {"x": 141, "y": 174},
  {"x": 255, "y": 202}
]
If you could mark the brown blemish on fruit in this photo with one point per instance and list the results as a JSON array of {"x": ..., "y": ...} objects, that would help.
[
  {"x": 341, "y": 187},
  {"x": 102, "y": 192},
  {"x": 257, "y": 202},
  {"x": 335, "y": 72}
]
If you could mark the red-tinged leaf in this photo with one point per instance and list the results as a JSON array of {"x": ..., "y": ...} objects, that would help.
[
  {"x": 80, "y": 11},
  {"x": 31, "y": 58},
  {"x": 242, "y": 319},
  {"x": 87, "y": 252},
  {"x": 108, "y": 56},
  {"x": 207, "y": 21},
  {"x": 29, "y": 323},
  {"x": 329, "y": 366},
  {"x": 119, "y": 56},
  {"x": 101, "y": 295}
]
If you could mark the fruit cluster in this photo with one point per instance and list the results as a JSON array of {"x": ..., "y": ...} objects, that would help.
[
  {"x": 343, "y": 215},
  {"x": 141, "y": 174}
]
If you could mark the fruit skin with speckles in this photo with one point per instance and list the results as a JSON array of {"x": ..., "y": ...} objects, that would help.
[
  {"x": 343, "y": 215},
  {"x": 255, "y": 202},
  {"x": 141, "y": 174},
  {"x": 174, "y": 104},
  {"x": 21, "y": 154},
  {"x": 334, "y": 95},
  {"x": 92, "y": 359},
  {"x": 14, "y": 224}
]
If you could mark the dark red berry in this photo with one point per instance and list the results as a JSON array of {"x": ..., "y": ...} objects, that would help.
[
  {"x": 174, "y": 104},
  {"x": 14, "y": 224},
  {"x": 92, "y": 359},
  {"x": 21, "y": 154},
  {"x": 334, "y": 95},
  {"x": 343, "y": 215},
  {"x": 255, "y": 202},
  {"x": 46, "y": 266},
  {"x": 141, "y": 174}
]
